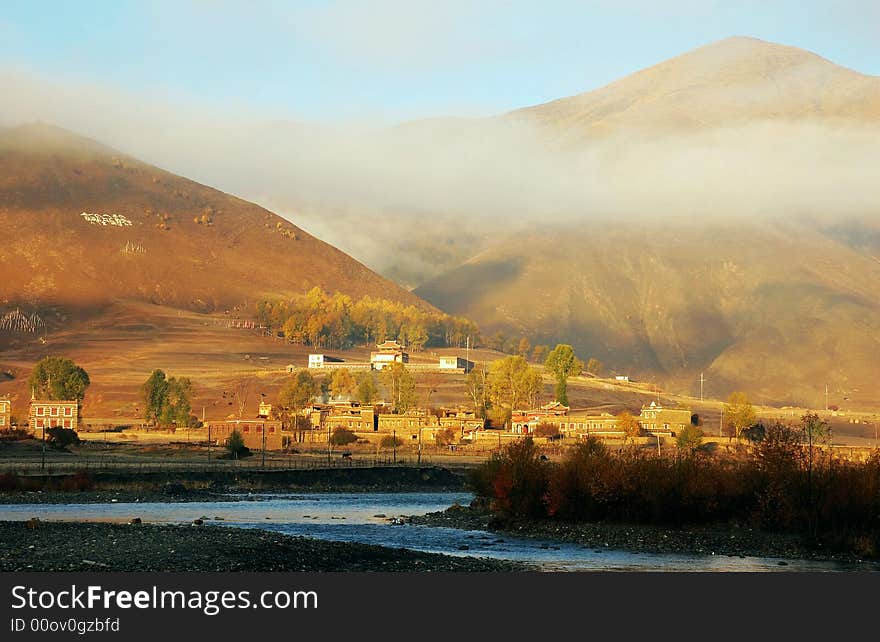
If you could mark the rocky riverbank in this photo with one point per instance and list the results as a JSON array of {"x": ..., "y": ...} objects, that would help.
[
  {"x": 730, "y": 540},
  {"x": 61, "y": 546},
  {"x": 200, "y": 486}
]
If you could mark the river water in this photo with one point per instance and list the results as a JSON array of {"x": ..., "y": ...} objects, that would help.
[{"x": 364, "y": 517}]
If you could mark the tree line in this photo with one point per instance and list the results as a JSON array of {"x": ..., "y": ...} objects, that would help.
[{"x": 337, "y": 321}]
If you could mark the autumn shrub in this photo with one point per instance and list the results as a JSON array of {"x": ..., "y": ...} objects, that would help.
[
  {"x": 342, "y": 436},
  {"x": 548, "y": 430},
  {"x": 515, "y": 480},
  {"x": 78, "y": 481},
  {"x": 780, "y": 484},
  {"x": 61, "y": 438}
]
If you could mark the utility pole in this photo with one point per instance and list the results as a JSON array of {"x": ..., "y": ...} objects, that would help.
[
  {"x": 826, "y": 397},
  {"x": 394, "y": 444},
  {"x": 701, "y": 387},
  {"x": 721, "y": 423},
  {"x": 420, "y": 445},
  {"x": 263, "y": 430}
]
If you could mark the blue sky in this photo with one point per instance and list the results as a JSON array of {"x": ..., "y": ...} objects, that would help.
[{"x": 399, "y": 59}]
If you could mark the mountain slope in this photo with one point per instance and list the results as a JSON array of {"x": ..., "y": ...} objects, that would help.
[
  {"x": 172, "y": 241},
  {"x": 765, "y": 286}
]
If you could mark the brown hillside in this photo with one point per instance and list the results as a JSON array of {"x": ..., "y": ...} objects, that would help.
[
  {"x": 779, "y": 311},
  {"x": 771, "y": 301},
  {"x": 187, "y": 245}
]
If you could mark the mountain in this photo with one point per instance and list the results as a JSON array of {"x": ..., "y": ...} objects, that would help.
[
  {"x": 763, "y": 273},
  {"x": 84, "y": 225},
  {"x": 732, "y": 81}
]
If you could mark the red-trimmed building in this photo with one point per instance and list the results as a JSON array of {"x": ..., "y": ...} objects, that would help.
[
  {"x": 53, "y": 414},
  {"x": 388, "y": 352}
]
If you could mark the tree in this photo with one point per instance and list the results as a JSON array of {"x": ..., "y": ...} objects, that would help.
[
  {"x": 366, "y": 388},
  {"x": 512, "y": 382},
  {"x": 342, "y": 436},
  {"x": 539, "y": 353},
  {"x": 235, "y": 446},
  {"x": 177, "y": 410},
  {"x": 60, "y": 438},
  {"x": 240, "y": 393},
  {"x": 814, "y": 428},
  {"x": 739, "y": 412},
  {"x": 390, "y": 441},
  {"x": 524, "y": 347},
  {"x": 689, "y": 439},
  {"x": 475, "y": 386},
  {"x": 594, "y": 366},
  {"x": 296, "y": 393},
  {"x": 167, "y": 401},
  {"x": 629, "y": 425},
  {"x": 400, "y": 385},
  {"x": 431, "y": 382},
  {"x": 548, "y": 430},
  {"x": 445, "y": 436},
  {"x": 154, "y": 393},
  {"x": 342, "y": 383},
  {"x": 57, "y": 378},
  {"x": 563, "y": 363}
]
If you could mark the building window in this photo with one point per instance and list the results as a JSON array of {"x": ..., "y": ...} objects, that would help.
[
  {"x": 68, "y": 412},
  {"x": 40, "y": 410}
]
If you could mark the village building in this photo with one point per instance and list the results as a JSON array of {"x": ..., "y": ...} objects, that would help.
[
  {"x": 583, "y": 424},
  {"x": 350, "y": 415},
  {"x": 387, "y": 353},
  {"x": 657, "y": 419},
  {"x": 461, "y": 421},
  {"x": 414, "y": 424},
  {"x": 255, "y": 433},
  {"x": 53, "y": 414},
  {"x": 265, "y": 410},
  {"x": 577, "y": 424},
  {"x": 318, "y": 361},
  {"x": 5, "y": 414},
  {"x": 455, "y": 363}
]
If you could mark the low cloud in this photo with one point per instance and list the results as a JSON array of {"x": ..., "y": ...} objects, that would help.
[{"x": 481, "y": 175}]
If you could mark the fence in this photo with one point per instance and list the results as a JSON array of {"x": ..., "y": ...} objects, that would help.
[{"x": 250, "y": 464}]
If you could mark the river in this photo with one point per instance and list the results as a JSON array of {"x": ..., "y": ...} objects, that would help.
[{"x": 364, "y": 517}]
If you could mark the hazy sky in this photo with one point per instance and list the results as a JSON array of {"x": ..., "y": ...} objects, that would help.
[{"x": 389, "y": 60}]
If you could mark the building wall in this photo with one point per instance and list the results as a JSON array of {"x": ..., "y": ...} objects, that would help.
[
  {"x": 658, "y": 419},
  {"x": 571, "y": 425},
  {"x": 5, "y": 414},
  {"x": 51, "y": 414},
  {"x": 251, "y": 432}
]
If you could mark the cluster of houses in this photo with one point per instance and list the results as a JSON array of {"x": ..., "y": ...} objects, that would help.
[
  {"x": 372, "y": 422},
  {"x": 654, "y": 419},
  {"x": 384, "y": 355},
  {"x": 43, "y": 414},
  {"x": 368, "y": 422}
]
